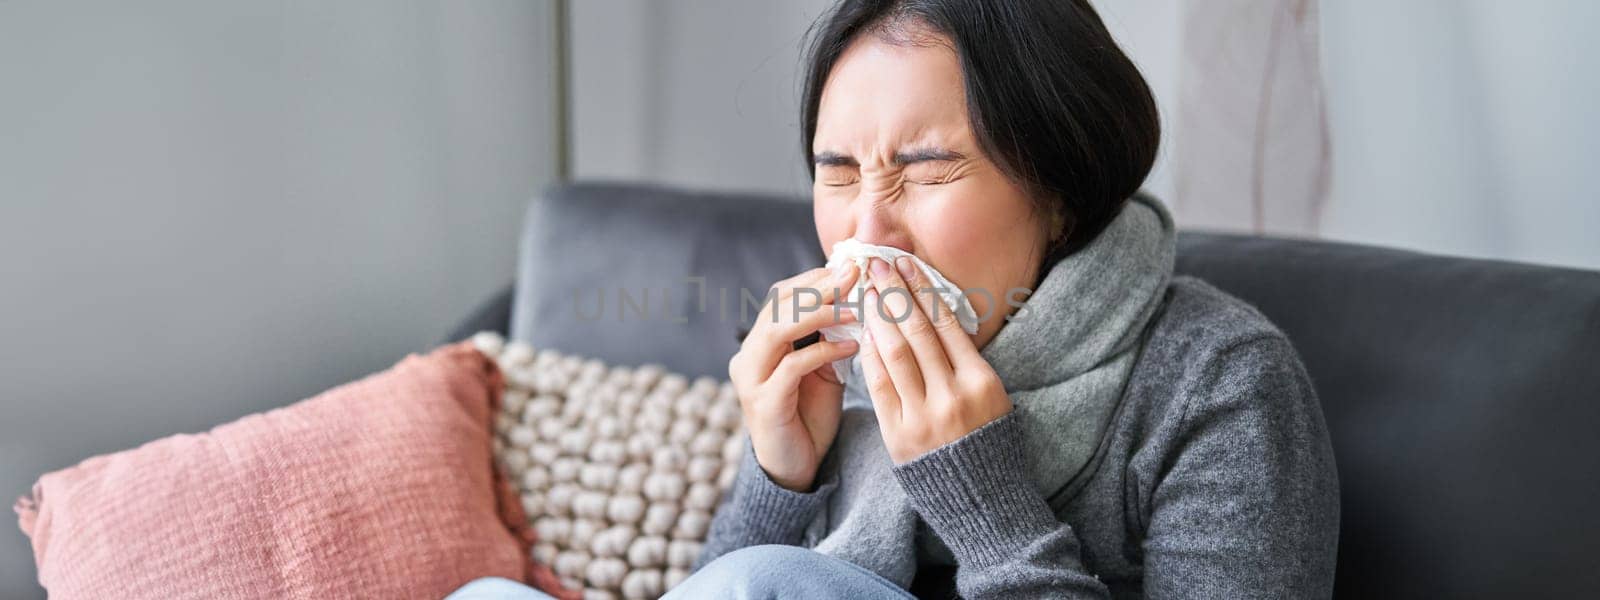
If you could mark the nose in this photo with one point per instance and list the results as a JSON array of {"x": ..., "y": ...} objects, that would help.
[{"x": 879, "y": 221}]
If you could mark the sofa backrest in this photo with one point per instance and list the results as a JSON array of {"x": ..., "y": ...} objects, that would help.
[
  {"x": 634, "y": 274},
  {"x": 1461, "y": 394}
]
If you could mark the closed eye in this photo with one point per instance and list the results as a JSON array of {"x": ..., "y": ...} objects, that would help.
[
  {"x": 835, "y": 169},
  {"x": 929, "y": 165},
  {"x": 933, "y": 173}
]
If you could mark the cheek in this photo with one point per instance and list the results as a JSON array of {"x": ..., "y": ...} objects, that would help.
[
  {"x": 974, "y": 222},
  {"x": 945, "y": 228},
  {"x": 1001, "y": 218},
  {"x": 980, "y": 236}
]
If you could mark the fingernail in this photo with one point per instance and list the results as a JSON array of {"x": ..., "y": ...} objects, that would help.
[
  {"x": 880, "y": 269},
  {"x": 908, "y": 271}
]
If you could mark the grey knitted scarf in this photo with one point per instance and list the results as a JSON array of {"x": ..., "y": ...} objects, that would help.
[{"x": 1064, "y": 360}]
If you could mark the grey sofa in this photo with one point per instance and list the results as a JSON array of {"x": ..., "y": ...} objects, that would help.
[{"x": 1462, "y": 395}]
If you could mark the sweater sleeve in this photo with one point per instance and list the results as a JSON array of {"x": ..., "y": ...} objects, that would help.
[
  {"x": 758, "y": 511},
  {"x": 1246, "y": 504},
  {"x": 976, "y": 496}
]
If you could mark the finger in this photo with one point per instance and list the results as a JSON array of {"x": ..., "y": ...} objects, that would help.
[
  {"x": 827, "y": 285},
  {"x": 899, "y": 300},
  {"x": 957, "y": 342},
  {"x": 776, "y": 328},
  {"x": 892, "y": 348},
  {"x": 828, "y": 282},
  {"x": 885, "y": 399},
  {"x": 829, "y": 290},
  {"x": 801, "y": 324},
  {"x": 802, "y": 279},
  {"x": 797, "y": 364},
  {"x": 771, "y": 342}
]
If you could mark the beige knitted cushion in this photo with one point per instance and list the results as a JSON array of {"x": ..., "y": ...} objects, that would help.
[{"x": 620, "y": 469}]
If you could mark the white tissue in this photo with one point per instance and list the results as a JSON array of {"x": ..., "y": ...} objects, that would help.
[{"x": 859, "y": 252}]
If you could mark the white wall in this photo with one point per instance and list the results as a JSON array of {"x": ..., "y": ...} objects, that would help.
[
  {"x": 1466, "y": 126},
  {"x": 1463, "y": 127},
  {"x": 212, "y": 208},
  {"x": 1149, "y": 31}
]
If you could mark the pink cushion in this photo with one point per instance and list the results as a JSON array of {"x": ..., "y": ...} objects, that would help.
[{"x": 381, "y": 488}]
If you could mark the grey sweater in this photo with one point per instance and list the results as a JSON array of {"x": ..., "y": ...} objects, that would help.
[{"x": 1215, "y": 479}]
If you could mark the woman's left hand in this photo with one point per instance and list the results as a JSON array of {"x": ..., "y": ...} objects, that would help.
[{"x": 929, "y": 386}]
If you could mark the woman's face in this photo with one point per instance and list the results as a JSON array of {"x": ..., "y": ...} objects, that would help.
[{"x": 897, "y": 165}]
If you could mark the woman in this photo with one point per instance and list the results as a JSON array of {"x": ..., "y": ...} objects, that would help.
[{"x": 1118, "y": 432}]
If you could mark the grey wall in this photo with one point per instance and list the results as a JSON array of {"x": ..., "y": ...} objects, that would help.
[
  {"x": 698, "y": 93},
  {"x": 212, "y": 208},
  {"x": 1457, "y": 127},
  {"x": 705, "y": 93}
]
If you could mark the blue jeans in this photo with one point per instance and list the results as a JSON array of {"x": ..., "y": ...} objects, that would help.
[{"x": 757, "y": 572}]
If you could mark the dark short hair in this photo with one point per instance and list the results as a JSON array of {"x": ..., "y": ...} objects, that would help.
[{"x": 1052, "y": 99}]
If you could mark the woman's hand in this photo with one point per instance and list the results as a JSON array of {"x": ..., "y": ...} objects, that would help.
[
  {"x": 928, "y": 383},
  {"x": 790, "y": 398}
]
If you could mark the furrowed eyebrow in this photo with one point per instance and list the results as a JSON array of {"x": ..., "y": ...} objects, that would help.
[
  {"x": 834, "y": 159},
  {"x": 916, "y": 155}
]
